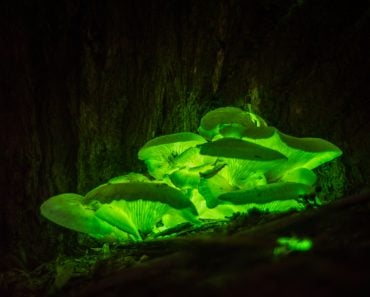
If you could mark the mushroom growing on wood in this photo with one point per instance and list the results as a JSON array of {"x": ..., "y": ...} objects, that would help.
[
  {"x": 160, "y": 153},
  {"x": 228, "y": 122},
  {"x": 191, "y": 164},
  {"x": 263, "y": 165},
  {"x": 68, "y": 211},
  {"x": 267, "y": 193},
  {"x": 244, "y": 160},
  {"x": 136, "y": 207},
  {"x": 306, "y": 153}
]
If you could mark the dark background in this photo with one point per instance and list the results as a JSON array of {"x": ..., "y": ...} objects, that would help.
[{"x": 84, "y": 84}]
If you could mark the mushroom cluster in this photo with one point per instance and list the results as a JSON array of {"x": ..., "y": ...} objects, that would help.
[{"x": 235, "y": 163}]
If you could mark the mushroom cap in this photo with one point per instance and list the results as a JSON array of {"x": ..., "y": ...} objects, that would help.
[
  {"x": 306, "y": 153},
  {"x": 191, "y": 165},
  {"x": 118, "y": 217},
  {"x": 211, "y": 188},
  {"x": 135, "y": 217},
  {"x": 185, "y": 178},
  {"x": 234, "y": 119},
  {"x": 219, "y": 212},
  {"x": 267, "y": 193},
  {"x": 237, "y": 131},
  {"x": 192, "y": 158},
  {"x": 239, "y": 149},
  {"x": 127, "y": 178},
  {"x": 245, "y": 162},
  {"x": 132, "y": 176},
  {"x": 159, "y": 154},
  {"x": 149, "y": 191},
  {"x": 68, "y": 211},
  {"x": 300, "y": 175}
]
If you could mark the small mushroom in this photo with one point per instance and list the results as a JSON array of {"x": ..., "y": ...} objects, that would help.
[
  {"x": 191, "y": 166},
  {"x": 68, "y": 211},
  {"x": 159, "y": 154},
  {"x": 228, "y": 122},
  {"x": 300, "y": 175},
  {"x": 212, "y": 188}
]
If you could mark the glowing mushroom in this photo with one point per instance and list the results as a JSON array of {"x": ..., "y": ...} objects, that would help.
[
  {"x": 267, "y": 193},
  {"x": 306, "y": 153},
  {"x": 239, "y": 149},
  {"x": 68, "y": 211},
  {"x": 246, "y": 163},
  {"x": 263, "y": 179},
  {"x": 191, "y": 164},
  {"x": 159, "y": 154},
  {"x": 136, "y": 207},
  {"x": 228, "y": 122}
]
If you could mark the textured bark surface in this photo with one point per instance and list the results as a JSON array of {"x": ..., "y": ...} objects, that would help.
[{"x": 84, "y": 84}]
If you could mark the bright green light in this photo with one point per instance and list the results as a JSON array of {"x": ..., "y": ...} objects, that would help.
[
  {"x": 289, "y": 244},
  {"x": 234, "y": 164}
]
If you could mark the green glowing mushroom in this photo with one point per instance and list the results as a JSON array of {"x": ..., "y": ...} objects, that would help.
[
  {"x": 191, "y": 165},
  {"x": 306, "y": 153},
  {"x": 292, "y": 244},
  {"x": 300, "y": 175},
  {"x": 160, "y": 153},
  {"x": 267, "y": 193},
  {"x": 218, "y": 212},
  {"x": 246, "y": 163},
  {"x": 68, "y": 211},
  {"x": 228, "y": 122},
  {"x": 132, "y": 176},
  {"x": 136, "y": 207},
  {"x": 279, "y": 167},
  {"x": 211, "y": 188},
  {"x": 239, "y": 149}
]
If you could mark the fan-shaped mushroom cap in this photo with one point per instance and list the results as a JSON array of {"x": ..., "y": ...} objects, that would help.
[
  {"x": 214, "y": 208},
  {"x": 142, "y": 204},
  {"x": 67, "y": 210},
  {"x": 131, "y": 191},
  {"x": 300, "y": 175},
  {"x": 212, "y": 188},
  {"x": 135, "y": 217},
  {"x": 219, "y": 212},
  {"x": 191, "y": 165},
  {"x": 230, "y": 121},
  {"x": 119, "y": 217},
  {"x": 160, "y": 153},
  {"x": 127, "y": 178},
  {"x": 132, "y": 176},
  {"x": 245, "y": 163},
  {"x": 267, "y": 193},
  {"x": 301, "y": 152},
  {"x": 239, "y": 149},
  {"x": 234, "y": 181}
]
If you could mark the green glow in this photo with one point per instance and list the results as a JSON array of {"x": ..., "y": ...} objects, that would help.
[
  {"x": 159, "y": 154},
  {"x": 289, "y": 244},
  {"x": 229, "y": 122},
  {"x": 236, "y": 163}
]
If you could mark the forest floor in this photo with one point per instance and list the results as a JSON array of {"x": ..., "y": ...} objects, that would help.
[{"x": 251, "y": 254}]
